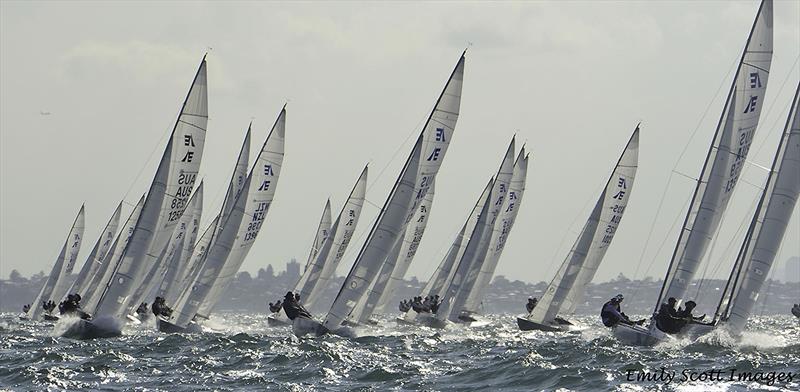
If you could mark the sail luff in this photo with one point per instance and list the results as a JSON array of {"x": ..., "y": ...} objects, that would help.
[{"x": 320, "y": 236}]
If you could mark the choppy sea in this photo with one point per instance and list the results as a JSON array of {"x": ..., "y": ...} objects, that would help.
[{"x": 240, "y": 352}]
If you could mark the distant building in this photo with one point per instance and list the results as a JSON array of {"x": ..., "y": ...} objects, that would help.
[
  {"x": 792, "y": 270},
  {"x": 293, "y": 270}
]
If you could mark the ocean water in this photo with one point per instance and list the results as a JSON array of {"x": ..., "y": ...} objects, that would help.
[{"x": 242, "y": 353}]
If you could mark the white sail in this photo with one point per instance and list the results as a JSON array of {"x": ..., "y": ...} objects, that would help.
[
  {"x": 186, "y": 253},
  {"x": 569, "y": 285},
  {"x": 317, "y": 276},
  {"x": 409, "y": 190},
  {"x": 396, "y": 265},
  {"x": 384, "y": 234},
  {"x": 500, "y": 231},
  {"x": 196, "y": 261},
  {"x": 443, "y": 275},
  {"x": 239, "y": 230},
  {"x": 196, "y": 252},
  {"x": 92, "y": 264},
  {"x": 457, "y": 276},
  {"x": 475, "y": 254},
  {"x": 320, "y": 236},
  {"x": 166, "y": 199},
  {"x": 55, "y": 283},
  {"x": 91, "y": 297},
  {"x": 725, "y": 158},
  {"x": 769, "y": 223},
  {"x": 168, "y": 275}
]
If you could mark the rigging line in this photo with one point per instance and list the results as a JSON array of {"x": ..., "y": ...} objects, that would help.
[
  {"x": 149, "y": 158},
  {"x": 745, "y": 222},
  {"x": 413, "y": 132},
  {"x": 722, "y": 83},
  {"x": 664, "y": 242}
]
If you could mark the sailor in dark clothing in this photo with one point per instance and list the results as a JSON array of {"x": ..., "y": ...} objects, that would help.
[
  {"x": 141, "y": 311},
  {"x": 49, "y": 306},
  {"x": 292, "y": 308},
  {"x": 276, "y": 307},
  {"x": 687, "y": 317},
  {"x": 796, "y": 310},
  {"x": 26, "y": 308},
  {"x": 405, "y": 305},
  {"x": 160, "y": 307},
  {"x": 435, "y": 304},
  {"x": 417, "y": 305},
  {"x": 612, "y": 314},
  {"x": 531, "y": 304},
  {"x": 72, "y": 306},
  {"x": 667, "y": 319}
]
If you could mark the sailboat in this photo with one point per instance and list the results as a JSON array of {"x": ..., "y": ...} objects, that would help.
[
  {"x": 463, "y": 294},
  {"x": 396, "y": 265},
  {"x": 90, "y": 297},
  {"x": 327, "y": 250},
  {"x": 238, "y": 232},
  {"x": 164, "y": 205},
  {"x": 568, "y": 287},
  {"x": 764, "y": 236},
  {"x": 408, "y": 192},
  {"x": 162, "y": 273},
  {"x": 199, "y": 250},
  {"x": 723, "y": 164},
  {"x": 445, "y": 271},
  {"x": 59, "y": 274},
  {"x": 94, "y": 261}
]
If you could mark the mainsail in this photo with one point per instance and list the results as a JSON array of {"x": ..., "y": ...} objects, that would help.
[
  {"x": 477, "y": 248},
  {"x": 768, "y": 225},
  {"x": 409, "y": 190},
  {"x": 94, "y": 289},
  {"x": 92, "y": 264},
  {"x": 317, "y": 275},
  {"x": 166, "y": 199},
  {"x": 725, "y": 159},
  {"x": 569, "y": 285},
  {"x": 239, "y": 229},
  {"x": 396, "y": 264},
  {"x": 175, "y": 254},
  {"x": 500, "y": 231},
  {"x": 443, "y": 275},
  {"x": 58, "y": 275}
]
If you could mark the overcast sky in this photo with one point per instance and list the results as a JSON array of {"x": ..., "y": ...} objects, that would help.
[{"x": 572, "y": 79}]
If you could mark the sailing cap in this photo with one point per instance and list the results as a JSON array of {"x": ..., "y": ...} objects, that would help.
[{"x": 619, "y": 297}]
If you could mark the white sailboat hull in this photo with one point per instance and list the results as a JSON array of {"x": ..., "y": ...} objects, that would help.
[{"x": 635, "y": 335}]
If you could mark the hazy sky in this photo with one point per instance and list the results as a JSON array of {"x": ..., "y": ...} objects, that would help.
[{"x": 570, "y": 78}]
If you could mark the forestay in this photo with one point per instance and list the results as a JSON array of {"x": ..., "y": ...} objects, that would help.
[
  {"x": 569, "y": 285},
  {"x": 58, "y": 275},
  {"x": 725, "y": 158},
  {"x": 166, "y": 199}
]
